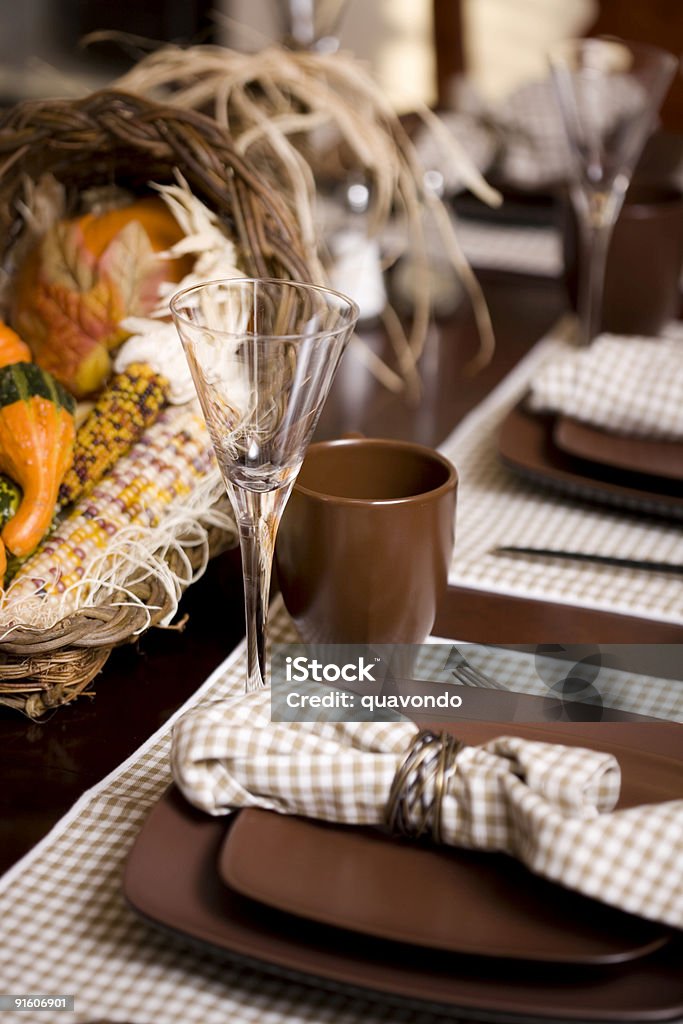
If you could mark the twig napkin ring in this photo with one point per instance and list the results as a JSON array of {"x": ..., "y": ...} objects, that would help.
[{"x": 417, "y": 792}]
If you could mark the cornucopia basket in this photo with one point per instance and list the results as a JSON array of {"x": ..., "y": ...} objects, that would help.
[{"x": 110, "y": 138}]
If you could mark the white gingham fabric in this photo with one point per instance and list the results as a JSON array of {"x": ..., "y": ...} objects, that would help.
[
  {"x": 497, "y": 508},
  {"x": 65, "y": 926},
  {"x": 548, "y": 805},
  {"x": 523, "y": 136},
  {"x": 628, "y": 385}
]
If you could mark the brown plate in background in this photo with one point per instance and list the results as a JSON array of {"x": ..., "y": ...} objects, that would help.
[
  {"x": 171, "y": 879},
  {"x": 526, "y": 446},
  {"x": 635, "y": 455}
]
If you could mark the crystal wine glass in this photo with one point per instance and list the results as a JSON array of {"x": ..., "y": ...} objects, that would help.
[
  {"x": 262, "y": 354},
  {"x": 609, "y": 92}
]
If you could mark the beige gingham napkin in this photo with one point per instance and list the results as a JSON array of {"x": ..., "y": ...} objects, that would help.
[
  {"x": 548, "y": 805},
  {"x": 627, "y": 385}
]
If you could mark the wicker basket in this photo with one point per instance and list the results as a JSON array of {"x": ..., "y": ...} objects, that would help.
[{"x": 115, "y": 138}]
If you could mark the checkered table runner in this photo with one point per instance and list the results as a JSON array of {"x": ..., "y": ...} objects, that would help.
[
  {"x": 65, "y": 928},
  {"x": 496, "y": 508}
]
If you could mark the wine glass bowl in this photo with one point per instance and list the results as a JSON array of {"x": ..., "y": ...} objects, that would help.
[
  {"x": 263, "y": 354},
  {"x": 609, "y": 92}
]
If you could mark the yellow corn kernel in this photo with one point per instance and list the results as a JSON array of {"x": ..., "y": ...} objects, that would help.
[{"x": 130, "y": 404}]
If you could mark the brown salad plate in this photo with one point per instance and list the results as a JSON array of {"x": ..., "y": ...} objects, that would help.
[
  {"x": 633, "y": 454},
  {"x": 527, "y": 446}
]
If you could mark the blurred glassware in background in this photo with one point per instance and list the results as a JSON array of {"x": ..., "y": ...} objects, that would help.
[
  {"x": 609, "y": 92},
  {"x": 642, "y": 286},
  {"x": 311, "y": 24},
  {"x": 356, "y": 268}
]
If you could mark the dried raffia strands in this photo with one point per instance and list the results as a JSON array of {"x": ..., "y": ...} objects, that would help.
[
  {"x": 279, "y": 104},
  {"x": 123, "y": 564}
]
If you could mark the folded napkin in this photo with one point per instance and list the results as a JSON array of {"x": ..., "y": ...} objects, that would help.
[
  {"x": 627, "y": 385},
  {"x": 546, "y": 804}
]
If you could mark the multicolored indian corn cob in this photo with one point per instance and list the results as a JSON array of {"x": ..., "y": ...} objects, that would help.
[
  {"x": 164, "y": 467},
  {"x": 129, "y": 405}
]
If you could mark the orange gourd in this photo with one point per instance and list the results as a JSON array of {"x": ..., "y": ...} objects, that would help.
[
  {"x": 152, "y": 214},
  {"x": 36, "y": 448},
  {"x": 12, "y": 348}
]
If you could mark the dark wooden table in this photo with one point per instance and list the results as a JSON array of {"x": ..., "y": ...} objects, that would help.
[{"x": 45, "y": 767}]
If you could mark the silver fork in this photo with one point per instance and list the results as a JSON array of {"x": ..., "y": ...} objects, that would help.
[{"x": 467, "y": 674}]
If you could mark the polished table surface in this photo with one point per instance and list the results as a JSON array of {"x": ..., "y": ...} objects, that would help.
[{"x": 47, "y": 765}]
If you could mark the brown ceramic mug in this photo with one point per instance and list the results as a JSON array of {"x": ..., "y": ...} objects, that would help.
[
  {"x": 365, "y": 542},
  {"x": 644, "y": 261}
]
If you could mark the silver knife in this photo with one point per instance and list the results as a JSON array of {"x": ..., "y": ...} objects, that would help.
[{"x": 582, "y": 556}]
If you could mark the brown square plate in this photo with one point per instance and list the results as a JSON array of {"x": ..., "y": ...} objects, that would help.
[
  {"x": 633, "y": 454},
  {"x": 172, "y": 879},
  {"x": 454, "y": 900},
  {"x": 526, "y": 445}
]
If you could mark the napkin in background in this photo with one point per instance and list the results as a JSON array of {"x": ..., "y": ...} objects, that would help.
[
  {"x": 548, "y": 805},
  {"x": 625, "y": 385}
]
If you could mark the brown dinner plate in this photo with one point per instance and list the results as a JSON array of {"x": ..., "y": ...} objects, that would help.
[
  {"x": 526, "y": 446},
  {"x": 171, "y": 878},
  {"x": 633, "y": 454}
]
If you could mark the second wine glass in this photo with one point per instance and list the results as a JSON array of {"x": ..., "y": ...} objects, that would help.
[
  {"x": 609, "y": 92},
  {"x": 263, "y": 354}
]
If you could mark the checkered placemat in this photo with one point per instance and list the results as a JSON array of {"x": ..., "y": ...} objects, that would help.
[
  {"x": 65, "y": 928},
  {"x": 496, "y": 508},
  {"x": 489, "y": 245}
]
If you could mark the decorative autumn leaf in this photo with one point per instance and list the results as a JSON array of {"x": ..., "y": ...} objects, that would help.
[
  {"x": 64, "y": 258},
  {"x": 132, "y": 268},
  {"x": 82, "y": 325},
  {"x": 88, "y": 274}
]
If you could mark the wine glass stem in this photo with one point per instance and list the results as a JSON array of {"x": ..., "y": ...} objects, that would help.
[
  {"x": 258, "y": 515},
  {"x": 597, "y": 212},
  {"x": 592, "y": 283}
]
